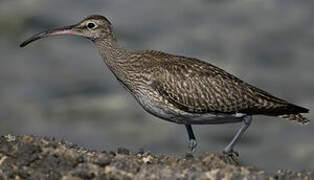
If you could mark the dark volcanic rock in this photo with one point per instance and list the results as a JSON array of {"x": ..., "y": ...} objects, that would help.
[{"x": 29, "y": 157}]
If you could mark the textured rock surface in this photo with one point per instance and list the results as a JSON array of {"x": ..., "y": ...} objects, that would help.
[{"x": 29, "y": 157}]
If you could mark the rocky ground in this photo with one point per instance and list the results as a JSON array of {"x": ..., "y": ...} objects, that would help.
[{"x": 30, "y": 157}]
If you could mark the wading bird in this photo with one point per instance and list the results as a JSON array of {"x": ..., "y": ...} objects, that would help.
[{"x": 180, "y": 89}]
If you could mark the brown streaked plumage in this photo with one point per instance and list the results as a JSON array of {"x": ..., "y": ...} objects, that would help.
[{"x": 180, "y": 89}]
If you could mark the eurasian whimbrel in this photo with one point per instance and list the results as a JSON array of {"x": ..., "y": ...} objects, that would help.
[{"x": 180, "y": 89}]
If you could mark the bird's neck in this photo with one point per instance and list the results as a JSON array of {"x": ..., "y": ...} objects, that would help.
[
  {"x": 115, "y": 57},
  {"x": 111, "y": 52}
]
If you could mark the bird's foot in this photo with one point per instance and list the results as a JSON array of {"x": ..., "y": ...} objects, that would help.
[
  {"x": 231, "y": 152},
  {"x": 192, "y": 145},
  {"x": 232, "y": 155}
]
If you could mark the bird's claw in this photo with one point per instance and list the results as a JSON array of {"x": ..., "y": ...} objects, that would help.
[
  {"x": 192, "y": 145},
  {"x": 232, "y": 155}
]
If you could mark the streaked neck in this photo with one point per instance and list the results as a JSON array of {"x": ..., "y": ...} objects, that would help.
[{"x": 111, "y": 52}]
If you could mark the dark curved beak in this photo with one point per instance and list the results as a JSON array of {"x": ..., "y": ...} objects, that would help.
[{"x": 54, "y": 32}]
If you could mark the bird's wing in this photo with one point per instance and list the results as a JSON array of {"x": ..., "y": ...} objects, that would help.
[{"x": 198, "y": 87}]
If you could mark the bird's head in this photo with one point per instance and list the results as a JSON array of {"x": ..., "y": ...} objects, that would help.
[{"x": 93, "y": 27}]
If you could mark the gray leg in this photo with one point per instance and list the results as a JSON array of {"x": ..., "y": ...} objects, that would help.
[
  {"x": 192, "y": 139},
  {"x": 229, "y": 149}
]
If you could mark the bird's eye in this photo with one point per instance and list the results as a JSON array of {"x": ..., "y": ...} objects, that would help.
[{"x": 91, "y": 25}]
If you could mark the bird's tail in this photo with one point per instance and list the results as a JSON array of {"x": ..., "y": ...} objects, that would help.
[{"x": 298, "y": 118}]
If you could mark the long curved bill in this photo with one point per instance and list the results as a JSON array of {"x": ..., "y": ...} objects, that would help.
[{"x": 53, "y": 32}]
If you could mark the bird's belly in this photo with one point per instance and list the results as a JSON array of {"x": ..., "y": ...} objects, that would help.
[
  {"x": 158, "y": 109},
  {"x": 168, "y": 112}
]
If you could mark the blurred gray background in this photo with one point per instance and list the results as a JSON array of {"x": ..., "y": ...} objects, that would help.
[{"x": 60, "y": 87}]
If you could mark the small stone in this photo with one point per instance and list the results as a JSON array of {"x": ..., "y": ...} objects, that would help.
[
  {"x": 189, "y": 156},
  {"x": 122, "y": 150},
  {"x": 103, "y": 160},
  {"x": 112, "y": 153},
  {"x": 148, "y": 159},
  {"x": 80, "y": 159},
  {"x": 10, "y": 138},
  {"x": 71, "y": 178}
]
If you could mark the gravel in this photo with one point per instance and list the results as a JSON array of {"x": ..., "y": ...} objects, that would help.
[{"x": 31, "y": 157}]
